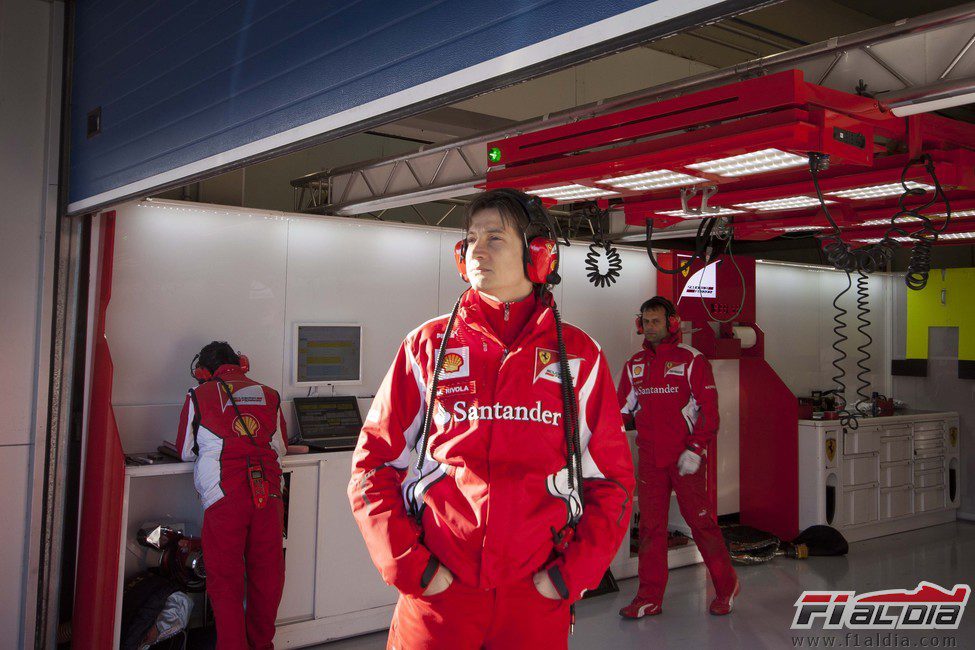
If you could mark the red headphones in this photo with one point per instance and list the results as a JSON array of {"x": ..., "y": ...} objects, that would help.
[
  {"x": 673, "y": 320},
  {"x": 541, "y": 260},
  {"x": 202, "y": 374}
]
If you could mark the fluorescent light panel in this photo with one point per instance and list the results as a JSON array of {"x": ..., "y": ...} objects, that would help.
[
  {"x": 905, "y": 240},
  {"x": 563, "y": 193},
  {"x": 960, "y": 214},
  {"x": 800, "y": 228},
  {"x": 690, "y": 215},
  {"x": 657, "y": 179},
  {"x": 757, "y": 162},
  {"x": 787, "y": 203},
  {"x": 878, "y": 191}
]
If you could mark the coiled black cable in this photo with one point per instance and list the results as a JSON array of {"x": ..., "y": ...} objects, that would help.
[
  {"x": 863, "y": 310},
  {"x": 613, "y": 260},
  {"x": 919, "y": 265},
  {"x": 840, "y": 254},
  {"x": 847, "y": 419}
]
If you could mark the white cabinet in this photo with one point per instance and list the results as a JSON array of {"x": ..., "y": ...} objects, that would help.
[{"x": 889, "y": 475}]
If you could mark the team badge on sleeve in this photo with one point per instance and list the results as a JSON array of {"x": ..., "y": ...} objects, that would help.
[
  {"x": 676, "y": 369},
  {"x": 547, "y": 366}
]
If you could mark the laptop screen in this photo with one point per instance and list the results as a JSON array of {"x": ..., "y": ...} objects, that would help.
[{"x": 322, "y": 418}]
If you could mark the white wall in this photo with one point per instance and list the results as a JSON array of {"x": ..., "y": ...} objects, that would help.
[
  {"x": 794, "y": 309},
  {"x": 29, "y": 68},
  {"x": 186, "y": 274}
]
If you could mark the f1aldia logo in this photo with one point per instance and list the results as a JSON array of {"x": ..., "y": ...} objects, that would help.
[{"x": 929, "y": 607}]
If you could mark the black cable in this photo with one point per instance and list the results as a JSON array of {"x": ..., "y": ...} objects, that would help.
[
  {"x": 422, "y": 441},
  {"x": 701, "y": 241},
  {"x": 744, "y": 288},
  {"x": 869, "y": 259},
  {"x": 570, "y": 420},
  {"x": 840, "y": 254},
  {"x": 919, "y": 265},
  {"x": 863, "y": 310},
  {"x": 847, "y": 419},
  {"x": 613, "y": 260}
]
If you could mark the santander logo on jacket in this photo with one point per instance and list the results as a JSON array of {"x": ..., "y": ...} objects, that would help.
[{"x": 494, "y": 483}]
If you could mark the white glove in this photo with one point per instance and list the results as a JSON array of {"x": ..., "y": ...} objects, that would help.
[
  {"x": 440, "y": 581},
  {"x": 688, "y": 463},
  {"x": 544, "y": 586}
]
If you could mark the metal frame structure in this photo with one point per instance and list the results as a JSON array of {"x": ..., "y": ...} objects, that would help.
[
  {"x": 880, "y": 59},
  {"x": 646, "y": 157}
]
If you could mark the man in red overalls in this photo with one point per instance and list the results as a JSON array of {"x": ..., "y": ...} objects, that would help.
[
  {"x": 234, "y": 429},
  {"x": 496, "y": 527},
  {"x": 667, "y": 390}
]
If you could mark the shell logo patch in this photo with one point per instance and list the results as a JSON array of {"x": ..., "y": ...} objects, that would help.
[
  {"x": 251, "y": 423},
  {"x": 453, "y": 362},
  {"x": 456, "y": 362},
  {"x": 638, "y": 369},
  {"x": 676, "y": 369}
]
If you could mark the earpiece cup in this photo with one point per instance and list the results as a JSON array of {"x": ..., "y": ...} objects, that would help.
[
  {"x": 673, "y": 324},
  {"x": 543, "y": 258},
  {"x": 460, "y": 259}
]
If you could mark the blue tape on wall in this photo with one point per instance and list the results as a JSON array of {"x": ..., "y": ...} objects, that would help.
[{"x": 177, "y": 84}]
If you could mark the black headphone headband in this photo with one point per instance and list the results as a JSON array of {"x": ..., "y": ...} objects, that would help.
[{"x": 658, "y": 302}]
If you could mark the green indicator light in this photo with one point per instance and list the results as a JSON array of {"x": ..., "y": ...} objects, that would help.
[{"x": 494, "y": 154}]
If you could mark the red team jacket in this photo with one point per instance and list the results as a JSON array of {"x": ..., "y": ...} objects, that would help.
[
  {"x": 211, "y": 434},
  {"x": 494, "y": 485},
  {"x": 670, "y": 393}
]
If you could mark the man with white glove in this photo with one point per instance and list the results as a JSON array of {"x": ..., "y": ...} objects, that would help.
[{"x": 667, "y": 393}]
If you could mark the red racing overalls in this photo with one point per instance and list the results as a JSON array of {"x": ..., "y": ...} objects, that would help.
[
  {"x": 669, "y": 394},
  {"x": 239, "y": 538},
  {"x": 494, "y": 488}
]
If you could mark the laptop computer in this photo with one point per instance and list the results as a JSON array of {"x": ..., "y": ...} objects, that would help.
[{"x": 328, "y": 423}]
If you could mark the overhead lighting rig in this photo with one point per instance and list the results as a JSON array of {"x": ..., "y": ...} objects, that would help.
[{"x": 750, "y": 139}]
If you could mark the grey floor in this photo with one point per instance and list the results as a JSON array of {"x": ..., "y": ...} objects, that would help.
[{"x": 944, "y": 555}]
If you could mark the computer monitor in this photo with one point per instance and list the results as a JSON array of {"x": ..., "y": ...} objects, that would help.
[
  {"x": 327, "y": 354},
  {"x": 328, "y": 421}
]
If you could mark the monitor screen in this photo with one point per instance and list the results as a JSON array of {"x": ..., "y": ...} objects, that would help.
[
  {"x": 327, "y": 417},
  {"x": 326, "y": 354}
]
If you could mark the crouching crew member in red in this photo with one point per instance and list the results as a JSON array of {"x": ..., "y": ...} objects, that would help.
[
  {"x": 233, "y": 428},
  {"x": 486, "y": 533},
  {"x": 667, "y": 391}
]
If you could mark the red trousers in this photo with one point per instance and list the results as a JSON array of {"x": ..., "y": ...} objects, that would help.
[
  {"x": 512, "y": 617},
  {"x": 243, "y": 555},
  {"x": 654, "y": 485}
]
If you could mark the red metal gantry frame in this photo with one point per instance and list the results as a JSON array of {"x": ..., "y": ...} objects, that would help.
[{"x": 867, "y": 147}]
